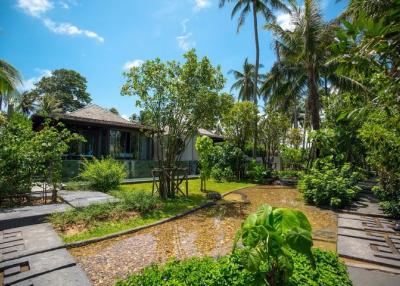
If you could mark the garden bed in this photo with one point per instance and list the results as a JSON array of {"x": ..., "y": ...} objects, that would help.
[{"x": 103, "y": 219}]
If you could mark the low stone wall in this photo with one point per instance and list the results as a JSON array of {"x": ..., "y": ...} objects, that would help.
[{"x": 134, "y": 168}]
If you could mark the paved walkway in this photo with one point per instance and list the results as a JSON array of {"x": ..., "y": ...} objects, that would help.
[
  {"x": 31, "y": 252},
  {"x": 368, "y": 243}
]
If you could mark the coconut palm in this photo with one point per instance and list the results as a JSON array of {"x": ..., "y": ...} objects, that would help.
[
  {"x": 9, "y": 80},
  {"x": 302, "y": 61},
  {"x": 245, "y": 81},
  {"x": 264, "y": 8},
  {"x": 49, "y": 105},
  {"x": 27, "y": 102}
]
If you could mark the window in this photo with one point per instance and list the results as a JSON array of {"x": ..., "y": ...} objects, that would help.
[{"x": 120, "y": 144}]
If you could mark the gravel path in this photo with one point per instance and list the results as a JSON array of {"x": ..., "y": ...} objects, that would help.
[{"x": 208, "y": 232}]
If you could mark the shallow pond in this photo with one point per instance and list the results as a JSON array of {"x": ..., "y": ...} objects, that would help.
[{"x": 207, "y": 232}]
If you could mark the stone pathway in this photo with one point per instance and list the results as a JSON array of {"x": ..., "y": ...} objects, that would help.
[
  {"x": 84, "y": 198},
  {"x": 368, "y": 243},
  {"x": 35, "y": 255},
  {"x": 31, "y": 252}
]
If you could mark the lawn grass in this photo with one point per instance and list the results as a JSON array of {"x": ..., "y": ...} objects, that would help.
[
  {"x": 168, "y": 208},
  {"x": 194, "y": 186}
]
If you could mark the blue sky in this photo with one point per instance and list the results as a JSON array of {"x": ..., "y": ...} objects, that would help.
[{"x": 99, "y": 38}]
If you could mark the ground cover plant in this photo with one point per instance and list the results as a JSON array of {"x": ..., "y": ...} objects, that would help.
[
  {"x": 136, "y": 207},
  {"x": 229, "y": 271}
]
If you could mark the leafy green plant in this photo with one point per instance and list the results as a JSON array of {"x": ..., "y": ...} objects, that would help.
[
  {"x": 257, "y": 172},
  {"x": 268, "y": 236},
  {"x": 326, "y": 185},
  {"x": 229, "y": 271},
  {"x": 103, "y": 175}
]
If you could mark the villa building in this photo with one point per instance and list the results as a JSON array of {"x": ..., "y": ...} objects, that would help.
[{"x": 108, "y": 134}]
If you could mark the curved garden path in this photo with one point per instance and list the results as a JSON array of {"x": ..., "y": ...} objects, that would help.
[{"x": 209, "y": 232}]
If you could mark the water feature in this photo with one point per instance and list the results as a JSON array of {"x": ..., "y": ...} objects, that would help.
[{"x": 207, "y": 232}]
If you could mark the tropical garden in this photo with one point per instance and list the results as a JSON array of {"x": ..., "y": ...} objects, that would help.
[{"x": 330, "y": 119}]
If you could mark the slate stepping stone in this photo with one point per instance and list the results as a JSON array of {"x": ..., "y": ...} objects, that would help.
[
  {"x": 26, "y": 240},
  {"x": 56, "y": 267}
]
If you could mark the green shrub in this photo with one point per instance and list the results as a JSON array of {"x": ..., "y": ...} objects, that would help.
[
  {"x": 140, "y": 201},
  {"x": 222, "y": 174},
  {"x": 288, "y": 174},
  {"x": 103, "y": 175},
  {"x": 18, "y": 160},
  {"x": 326, "y": 185},
  {"x": 389, "y": 206},
  {"x": 257, "y": 172},
  {"x": 229, "y": 160},
  {"x": 229, "y": 271}
]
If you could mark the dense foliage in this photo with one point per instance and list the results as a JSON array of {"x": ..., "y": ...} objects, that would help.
[
  {"x": 103, "y": 175},
  {"x": 17, "y": 157},
  {"x": 227, "y": 162},
  {"x": 238, "y": 123},
  {"x": 65, "y": 88},
  {"x": 27, "y": 156},
  {"x": 327, "y": 185},
  {"x": 229, "y": 271}
]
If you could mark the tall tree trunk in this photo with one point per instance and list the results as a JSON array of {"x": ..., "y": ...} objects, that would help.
[
  {"x": 295, "y": 115},
  {"x": 256, "y": 75},
  {"x": 314, "y": 100}
]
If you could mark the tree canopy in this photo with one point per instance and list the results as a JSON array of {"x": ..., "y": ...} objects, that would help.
[{"x": 66, "y": 86}]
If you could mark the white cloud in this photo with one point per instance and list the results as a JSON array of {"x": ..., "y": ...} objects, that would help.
[
  {"x": 35, "y": 8},
  {"x": 30, "y": 82},
  {"x": 124, "y": 116},
  {"x": 130, "y": 64},
  {"x": 39, "y": 8},
  {"x": 184, "y": 24},
  {"x": 285, "y": 21},
  {"x": 202, "y": 4},
  {"x": 185, "y": 42},
  {"x": 69, "y": 29}
]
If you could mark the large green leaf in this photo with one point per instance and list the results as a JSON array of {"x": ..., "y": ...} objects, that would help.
[
  {"x": 264, "y": 215},
  {"x": 287, "y": 219}
]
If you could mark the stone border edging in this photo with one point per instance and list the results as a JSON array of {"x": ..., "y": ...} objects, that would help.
[{"x": 136, "y": 229}]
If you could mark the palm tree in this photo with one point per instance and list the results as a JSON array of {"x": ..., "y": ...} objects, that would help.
[
  {"x": 9, "y": 80},
  {"x": 245, "y": 81},
  {"x": 26, "y": 102},
  {"x": 264, "y": 7},
  {"x": 49, "y": 105},
  {"x": 302, "y": 61}
]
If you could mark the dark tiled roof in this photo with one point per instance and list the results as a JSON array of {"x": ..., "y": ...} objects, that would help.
[
  {"x": 210, "y": 134},
  {"x": 98, "y": 115}
]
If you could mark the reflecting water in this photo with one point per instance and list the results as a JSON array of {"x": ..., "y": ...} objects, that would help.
[{"x": 207, "y": 232}]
